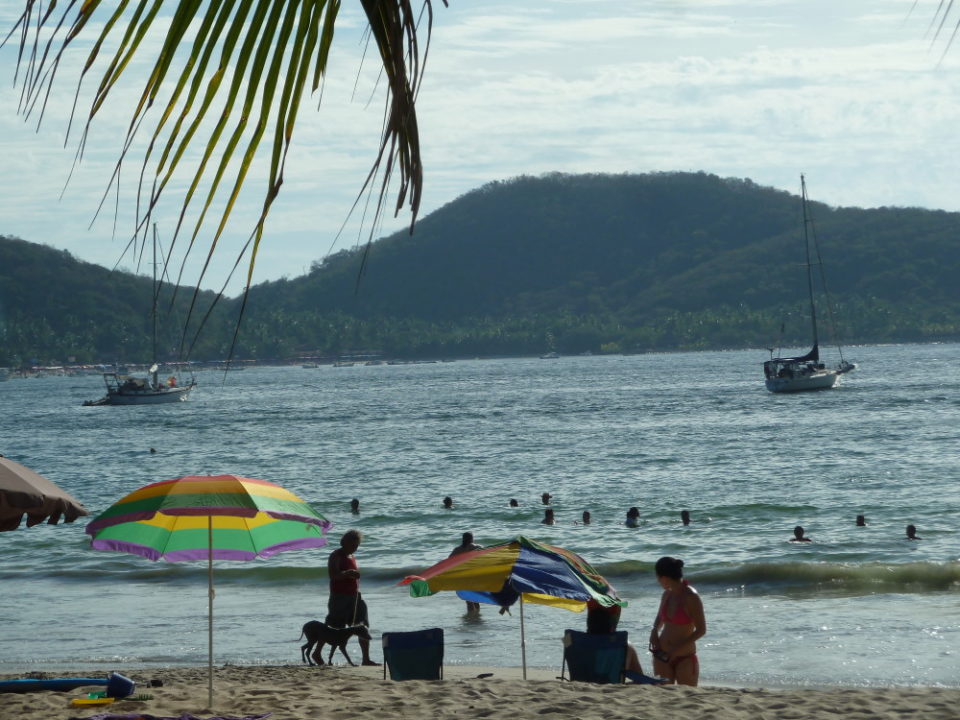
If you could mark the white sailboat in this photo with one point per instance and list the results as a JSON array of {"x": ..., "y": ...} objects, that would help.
[
  {"x": 123, "y": 389},
  {"x": 805, "y": 372}
]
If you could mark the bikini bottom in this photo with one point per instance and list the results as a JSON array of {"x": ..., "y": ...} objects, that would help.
[{"x": 677, "y": 660}]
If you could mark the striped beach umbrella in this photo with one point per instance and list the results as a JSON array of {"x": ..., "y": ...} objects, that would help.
[
  {"x": 200, "y": 517},
  {"x": 523, "y": 569},
  {"x": 25, "y": 493},
  {"x": 169, "y": 520}
]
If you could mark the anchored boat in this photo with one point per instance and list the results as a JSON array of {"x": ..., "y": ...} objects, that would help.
[
  {"x": 805, "y": 372},
  {"x": 123, "y": 389}
]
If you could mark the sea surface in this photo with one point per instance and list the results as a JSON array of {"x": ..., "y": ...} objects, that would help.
[{"x": 858, "y": 606}]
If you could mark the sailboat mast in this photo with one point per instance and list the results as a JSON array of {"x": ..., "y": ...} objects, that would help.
[
  {"x": 806, "y": 242},
  {"x": 153, "y": 311}
]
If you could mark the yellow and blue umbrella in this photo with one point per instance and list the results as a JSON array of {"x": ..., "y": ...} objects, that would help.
[
  {"x": 522, "y": 569},
  {"x": 201, "y": 517}
]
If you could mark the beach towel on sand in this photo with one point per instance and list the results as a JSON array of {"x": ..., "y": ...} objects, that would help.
[{"x": 184, "y": 716}]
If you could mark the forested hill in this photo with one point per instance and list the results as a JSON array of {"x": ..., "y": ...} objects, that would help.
[
  {"x": 576, "y": 243},
  {"x": 664, "y": 260},
  {"x": 575, "y": 263},
  {"x": 54, "y": 307}
]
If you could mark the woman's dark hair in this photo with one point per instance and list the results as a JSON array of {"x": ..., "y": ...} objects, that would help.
[{"x": 669, "y": 567}]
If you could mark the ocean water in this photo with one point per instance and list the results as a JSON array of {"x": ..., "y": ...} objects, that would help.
[{"x": 697, "y": 431}]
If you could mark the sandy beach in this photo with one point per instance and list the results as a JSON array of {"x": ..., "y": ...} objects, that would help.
[{"x": 343, "y": 693}]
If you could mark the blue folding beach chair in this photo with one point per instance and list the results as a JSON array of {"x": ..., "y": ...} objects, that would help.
[
  {"x": 416, "y": 655},
  {"x": 599, "y": 658},
  {"x": 594, "y": 657}
]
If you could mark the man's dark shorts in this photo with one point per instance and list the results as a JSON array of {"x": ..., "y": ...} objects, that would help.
[{"x": 346, "y": 610}]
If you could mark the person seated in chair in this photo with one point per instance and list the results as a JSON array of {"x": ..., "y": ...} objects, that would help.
[{"x": 603, "y": 621}]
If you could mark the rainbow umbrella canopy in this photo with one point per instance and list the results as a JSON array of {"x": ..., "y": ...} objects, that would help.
[
  {"x": 200, "y": 517},
  {"x": 523, "y": 569}
]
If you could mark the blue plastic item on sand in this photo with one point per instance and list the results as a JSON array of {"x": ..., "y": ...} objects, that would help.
[
  {"x": 119, "y": 686},
  {"x": 54, "y": 684}
]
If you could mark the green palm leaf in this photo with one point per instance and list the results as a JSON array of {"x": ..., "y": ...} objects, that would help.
[{"x": 249, "y": 61}]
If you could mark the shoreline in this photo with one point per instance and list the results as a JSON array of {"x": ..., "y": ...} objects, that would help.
[{"x": 349, "y": 693}]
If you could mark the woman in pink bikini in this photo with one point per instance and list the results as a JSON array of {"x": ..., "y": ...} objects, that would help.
[{"x": 678, "y": 625}]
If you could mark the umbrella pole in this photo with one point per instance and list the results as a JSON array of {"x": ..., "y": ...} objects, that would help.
[
  {"x": 523, "y": 641},
  {"x": 210, "y": 612}
]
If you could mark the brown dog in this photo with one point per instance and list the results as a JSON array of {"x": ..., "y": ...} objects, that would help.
[{"x": 320, "y": 634}]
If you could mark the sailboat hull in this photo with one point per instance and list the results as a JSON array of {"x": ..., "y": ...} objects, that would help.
[
  {"x": 123, "y": 390},
  {"x": 819, "y": 380},
  {"x": 149, "y": 397}
]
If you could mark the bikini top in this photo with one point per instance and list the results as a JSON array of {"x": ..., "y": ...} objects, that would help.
[{"x": 680, "y": 615}]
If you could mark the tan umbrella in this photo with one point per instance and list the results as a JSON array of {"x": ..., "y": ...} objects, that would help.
[{"x": 24, "y": 492}]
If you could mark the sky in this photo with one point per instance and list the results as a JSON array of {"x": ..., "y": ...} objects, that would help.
[{"x": 858, "y": 95}]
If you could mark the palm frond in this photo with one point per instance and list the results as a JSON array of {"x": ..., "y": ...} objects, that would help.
[
  {"x": 939, "y": 25},
  {"x": 249, "y": 61}
]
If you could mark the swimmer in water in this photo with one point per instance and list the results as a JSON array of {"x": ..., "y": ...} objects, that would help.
[{"x": 467, "y": 545}]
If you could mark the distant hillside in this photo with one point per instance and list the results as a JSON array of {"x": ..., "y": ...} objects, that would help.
[
  {"x": 634, "y": 262},
  {"x": 54, "y": 307},
  {"x": 599, "y": 263}
]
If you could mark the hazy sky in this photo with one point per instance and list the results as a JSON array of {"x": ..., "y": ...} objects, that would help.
[{"x": 855, "y": 94}]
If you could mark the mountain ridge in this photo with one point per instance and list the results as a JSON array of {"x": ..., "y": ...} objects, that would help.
[{"x": 600, "y": 263}]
